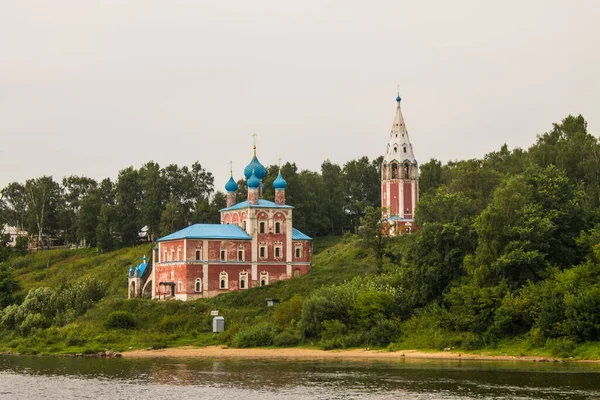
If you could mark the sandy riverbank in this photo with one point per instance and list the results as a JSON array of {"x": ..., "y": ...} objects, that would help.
[{"x": 314, "y": 354}]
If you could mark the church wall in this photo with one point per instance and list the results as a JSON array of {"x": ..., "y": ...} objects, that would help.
[
  {"x": 408, "y": 208},
  {"x": 394, "y": 198},
  {"x": 305, "y": 250},
  {"x": 233, "y": 277}
]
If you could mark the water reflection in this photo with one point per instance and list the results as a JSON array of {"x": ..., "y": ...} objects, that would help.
[{"x": 26, "y": 377}]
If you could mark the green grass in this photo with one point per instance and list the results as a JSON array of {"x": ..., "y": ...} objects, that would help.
[{"x": 162, "y": 324}]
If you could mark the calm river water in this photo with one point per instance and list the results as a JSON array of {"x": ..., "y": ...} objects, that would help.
[{"x": 84, "y": 378}]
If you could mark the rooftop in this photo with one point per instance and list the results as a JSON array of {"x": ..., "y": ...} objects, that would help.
[
  {"x": 261, "y": 204},
  {"x": 208, "y": 231},
  {"x": 297, "y": 235}
]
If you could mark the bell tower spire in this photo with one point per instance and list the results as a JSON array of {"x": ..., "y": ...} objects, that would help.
[{"x": 399, "y": 177}]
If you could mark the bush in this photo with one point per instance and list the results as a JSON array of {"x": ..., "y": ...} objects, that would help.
[
  {"x": 286, "y": 339},
  {"x": 120, "y": 319},
  {"x": 561, "y": 347},
  {"x": 255, "y": 336},
  {"x": 289, "y": 312},
  {"x": 384, "y": 332}
]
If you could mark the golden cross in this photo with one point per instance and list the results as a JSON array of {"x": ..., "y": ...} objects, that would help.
[
  {"x": 231, "y": 167},
  {"x": 279, "y": 159}
]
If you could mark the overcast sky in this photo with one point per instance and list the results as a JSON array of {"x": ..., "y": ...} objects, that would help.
[{"x": 91, "y": 87}]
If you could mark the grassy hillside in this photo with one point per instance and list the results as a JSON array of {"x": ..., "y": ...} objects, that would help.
[{"x": 159, "y": 324}]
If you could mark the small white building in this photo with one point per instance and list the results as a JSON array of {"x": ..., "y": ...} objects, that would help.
[{"x": 14, "y": 234}]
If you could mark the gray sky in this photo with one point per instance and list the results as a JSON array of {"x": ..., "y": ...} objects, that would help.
[{"x": 91, "y": 87}]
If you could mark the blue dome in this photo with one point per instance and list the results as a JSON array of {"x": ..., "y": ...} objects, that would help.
[
  {"x": 279, "y": 182},
  {"x": 259, "y": 170},
  {"x": 253, "y": 182},
  {"x": 398, "y": 99},
  {"x": 231, "y": 186}
]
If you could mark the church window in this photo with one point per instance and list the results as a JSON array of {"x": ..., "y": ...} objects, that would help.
[
  {"x": 277, "y": 227},
  {"x": 406, "y": 170},
  {"x": 223, "y": 255},
  {"x": 172, "y": 255},
  {"x": 244, "y": 225},
  {"x": 263, "y": 252},
  {"x": 262, "y": 227},
  {"x": 394, "y": 171},
  {"x": 165, "y": 257},
  {"x": 223, "y": 280},
  {"x": 408, "y": 229},
  {"x": 198, "y": 254},
  {"x": 277, "y": 252},
  {"x": 179, "y": 286},
  {"x": 198, "y": 285},
  {"x": 243, "y": 280},
  {"x": 395, "y": 149},
  {"x": 178, "y": 254},
  {"x": 264, "y": 278},
  {"x": 298, "y": 252},
  {"x": 240, "y": 255},
  {"x": 404, "y": 149}
]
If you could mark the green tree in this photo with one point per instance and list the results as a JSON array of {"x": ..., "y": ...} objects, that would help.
[
  {"x": 153, "y": 197},
  {"x": 43, "y": 198},
  {"x": 129, "y": 195},
  {"x": 8, "y": 286}
]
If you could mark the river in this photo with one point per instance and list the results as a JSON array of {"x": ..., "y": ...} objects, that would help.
[{"x": 23, "y": 377}]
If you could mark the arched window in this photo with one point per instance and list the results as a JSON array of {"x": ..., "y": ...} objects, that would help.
[
  {"x": 179, "y": 286},
  {"x": 198, "y": 285},
  {"x": 298, "y": 252},
  {"x": 243, "y": 280},
  {"x": 223, "y": 281},
  {"x": 240, "y": 254},
  {"x": 394, "y": 171},
  {"x": 244, "y": 225},
  {"x": 198, "y": 254},
  {"x": 264, "y": 278},
  {"x": 406, "y": 170},
  {"x": 277, "y": 227},
  {"x": 262, "y": 227},
  {"x": 404, "y": 148},
  {"x": 263, "y": 252}
]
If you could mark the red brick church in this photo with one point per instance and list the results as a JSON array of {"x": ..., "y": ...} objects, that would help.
[{"x": 254, "y": 245}]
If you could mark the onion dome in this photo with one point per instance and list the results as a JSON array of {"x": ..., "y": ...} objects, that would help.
[
  {"x": 279, "y": 182},
  {"x": 398, "y": 99},
  {"x": 259, "y": 169},
  {"x": 253, "y": 181},
  {"x": 231, "y": 185}
]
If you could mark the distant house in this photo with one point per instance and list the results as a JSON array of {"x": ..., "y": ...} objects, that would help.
[{"x": 14, "y": 234}]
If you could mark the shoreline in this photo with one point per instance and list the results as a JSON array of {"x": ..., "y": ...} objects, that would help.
[{"x": 315, "y": 354}]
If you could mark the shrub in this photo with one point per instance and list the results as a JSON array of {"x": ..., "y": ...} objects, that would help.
[
  {"x": 561, "y": 347},
  {"x": 286, "y": 339},
  {"x": 384, "y": 332},
  {"x": 333, "y": 329},
  {"x": 289, "y": 312},
  {"x": 120, "y": 319},
  {"x": 255, "y": 336}
]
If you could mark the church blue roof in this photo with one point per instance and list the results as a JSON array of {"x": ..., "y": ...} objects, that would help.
[
  {"x": 279, "y": 182},
  {"x": 261, "y": 204},
  {"x": 231, "y": 185},
  {"x": 253, "y": 182},
  {"x": 297, "y": 235},
  {"x": 208, "y": 231},
  {"x": 259, "y": 169}
]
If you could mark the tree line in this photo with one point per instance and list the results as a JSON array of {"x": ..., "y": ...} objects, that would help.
[{"x": 82, "y": 211}]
